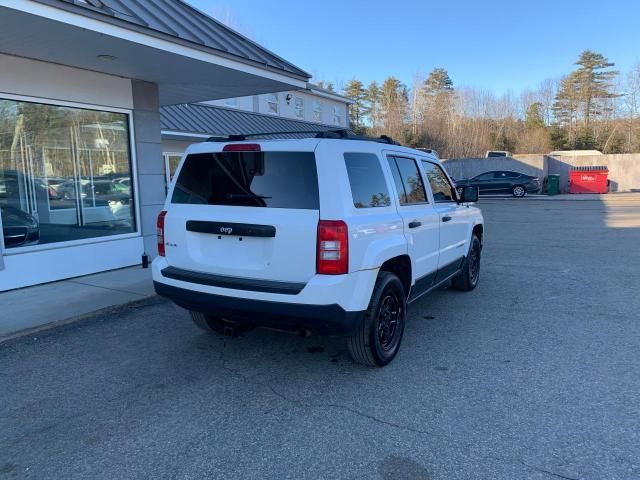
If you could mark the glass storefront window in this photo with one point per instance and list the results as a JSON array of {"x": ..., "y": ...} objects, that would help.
[{"x": 65, "y": 174}]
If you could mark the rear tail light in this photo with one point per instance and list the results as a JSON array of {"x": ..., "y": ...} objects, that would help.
[
  {"x": 160, "y": 232},
  {"x": 333, "y": 248},
  {"x": 241, "y": 147}
]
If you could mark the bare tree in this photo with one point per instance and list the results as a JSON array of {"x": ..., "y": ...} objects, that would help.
[{"x": 631, "y": 103}]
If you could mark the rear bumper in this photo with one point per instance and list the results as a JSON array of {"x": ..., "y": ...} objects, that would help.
[
  {"x": 318, "y": 290},
  {"x": 319, "y": 319},
  {"x": 532, "y": 187}
]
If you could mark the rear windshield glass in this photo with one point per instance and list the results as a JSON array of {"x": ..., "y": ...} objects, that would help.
[{"x": 249, "y": 179}]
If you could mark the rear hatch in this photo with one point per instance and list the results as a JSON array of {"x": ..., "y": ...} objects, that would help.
[{"x": 248, "y": 214}]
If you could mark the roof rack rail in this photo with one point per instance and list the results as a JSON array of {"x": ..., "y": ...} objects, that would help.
[
  {"x": 243, "y": 136},
  {"x": 348, "y": 135},
  {"x": 336, "y": 134}
]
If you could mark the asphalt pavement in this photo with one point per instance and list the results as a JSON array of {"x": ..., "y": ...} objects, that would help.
[{"x": 534, "y": 375}]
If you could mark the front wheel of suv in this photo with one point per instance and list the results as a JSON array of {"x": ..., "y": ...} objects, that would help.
[
  {"x": 468, "y": 278},
  {"x": 217, "y": 325},
  {"x": 377, "y": 340}
]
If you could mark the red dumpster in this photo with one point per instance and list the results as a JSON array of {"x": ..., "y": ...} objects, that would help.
[{"x": 588, "y": 179}]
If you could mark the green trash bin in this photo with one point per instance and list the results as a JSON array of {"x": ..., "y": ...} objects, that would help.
[{"x": 553, "y": 184}]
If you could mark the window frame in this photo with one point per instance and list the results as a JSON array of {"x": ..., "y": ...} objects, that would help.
[
  {"x": 317, "y": 108},
  {"x": 454, "y": 190},
  {"x": 133, "y": 161},
  {"x": 337, "y": 115},
  {"x": 298, "y": 109},
  {"x": 275, "y": 102},
  {"x": 166, "y": 156},
  {"x": 394, "y": 156}
]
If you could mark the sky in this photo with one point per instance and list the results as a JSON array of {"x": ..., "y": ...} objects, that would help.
[{"x": 495, "y": 45}]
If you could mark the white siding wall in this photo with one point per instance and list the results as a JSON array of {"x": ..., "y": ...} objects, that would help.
[
  {"x": 241, "y": 103},
  {"x": 260, "y": 104},
  {"x": 289, "y": 110}
]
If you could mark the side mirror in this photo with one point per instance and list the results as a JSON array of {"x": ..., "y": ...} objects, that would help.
[{"x": 469, "y": 194}]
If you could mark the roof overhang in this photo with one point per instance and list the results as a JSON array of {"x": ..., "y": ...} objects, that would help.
[
  {"x": 321, "y": 92},
  {"x": 195, "y": 121},
  {"x": 188, "y": 136},
  {"x": 183, "y": 73}
]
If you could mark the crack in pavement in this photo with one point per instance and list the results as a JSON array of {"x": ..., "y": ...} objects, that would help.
[
  {"x": 249, "y": 380},
  {"x": 300, "y": 404},
  {"x": 548, "y": 472},
  {"x": 316, "y": 405}
]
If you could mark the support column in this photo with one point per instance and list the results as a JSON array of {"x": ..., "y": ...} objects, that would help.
[{"x": 151, "y": 185}]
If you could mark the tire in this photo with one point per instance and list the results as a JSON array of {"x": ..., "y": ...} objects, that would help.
[
  {"x": 217, "y": 325},
  {"x": 470, "y": 276},
  {"x": 519, "y": 191},
  {"x": 377, "y": 340}
]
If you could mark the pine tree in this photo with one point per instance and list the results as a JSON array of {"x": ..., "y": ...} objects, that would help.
[
  {"x": 438, "y": 82},
  {"x": 438, "y": 95},
  {"x": 394, "y": 104},
  {"x": 594, "y": 82},
  {"x": 372, "y": 108},
  {"x": 325, "y": 85},
  {"x": 535, "y": 116},
  {"x": 355, "y": 91},
  {"x": 583, "y": 95},
  {"x": 566, "y": 110}
]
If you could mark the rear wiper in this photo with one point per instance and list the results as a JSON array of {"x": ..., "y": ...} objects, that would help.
[{"x": 232, "y": 196}]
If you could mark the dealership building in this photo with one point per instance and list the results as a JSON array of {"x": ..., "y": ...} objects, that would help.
[
  {"x": 310, "y": 110},
  {"x": 95, "y": 98}
]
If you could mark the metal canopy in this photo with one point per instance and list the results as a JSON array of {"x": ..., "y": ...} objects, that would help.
[
  {"x": 207, "y": 120},
  {"x": 181, "y": 22},
  {"x": 184, "y": 70}
]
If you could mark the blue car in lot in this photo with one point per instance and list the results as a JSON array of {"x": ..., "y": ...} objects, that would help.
[{"x": 502, "y": 181}]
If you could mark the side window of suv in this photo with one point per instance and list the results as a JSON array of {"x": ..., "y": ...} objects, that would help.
[
  {"x": 440, "y": 186},
  {"x": 368, "y": 185},
  {"x": 408, "y": 180}
]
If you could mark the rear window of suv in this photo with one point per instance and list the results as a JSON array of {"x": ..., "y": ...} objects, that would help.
[{"x": 249, "y": 179}]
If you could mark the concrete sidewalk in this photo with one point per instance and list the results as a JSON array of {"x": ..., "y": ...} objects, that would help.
[{"x": 29, "y": 308}]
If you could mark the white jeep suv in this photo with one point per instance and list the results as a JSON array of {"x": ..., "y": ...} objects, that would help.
[{"x": 315, "y": 236}]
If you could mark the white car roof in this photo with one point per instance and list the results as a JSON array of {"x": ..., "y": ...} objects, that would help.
[{"x": 311, "y": 144}]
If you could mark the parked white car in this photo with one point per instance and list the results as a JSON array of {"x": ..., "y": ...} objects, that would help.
[{"x": 315, "y": 236}]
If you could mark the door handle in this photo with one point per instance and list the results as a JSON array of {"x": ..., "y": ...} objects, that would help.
[
  {"x": 414, "y": 224},
  {"x": 446, "y": 218}
]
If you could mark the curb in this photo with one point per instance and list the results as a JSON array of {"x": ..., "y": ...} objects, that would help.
[
  {"x": 633, "y": 197},
  {"x": 61, "y": 325}
]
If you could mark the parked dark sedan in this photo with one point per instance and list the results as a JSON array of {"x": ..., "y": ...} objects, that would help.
[
  {"x": 517, "y": 184},
  {"x": 103, "y": 192}
]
